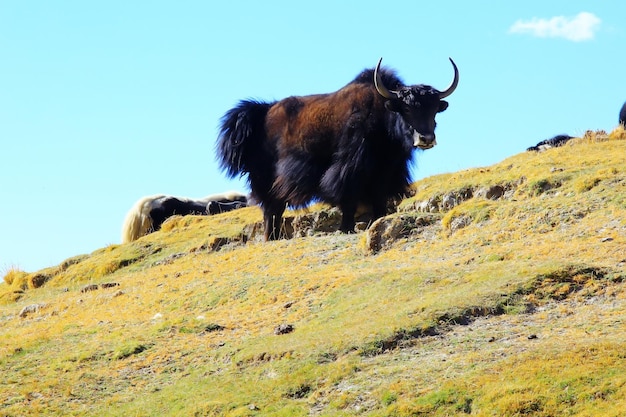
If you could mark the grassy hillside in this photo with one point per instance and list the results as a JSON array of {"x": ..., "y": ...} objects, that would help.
[{"x": 496, "y": 291}]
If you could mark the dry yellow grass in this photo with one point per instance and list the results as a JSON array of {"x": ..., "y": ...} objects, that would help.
[{"x": 516, "y": 310}]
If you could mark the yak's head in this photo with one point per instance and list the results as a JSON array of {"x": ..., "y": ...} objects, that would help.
[{"x": 418, "y": 105}]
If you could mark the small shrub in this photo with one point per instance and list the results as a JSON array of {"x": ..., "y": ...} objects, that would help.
[
  {"x": 618, "y": 134},
  {"x": 15, "y": 276},
  {"x": 583, "y": 184},
  {"x": 72, "y": 261},
  {"x": 446, "y": 399},
  {"x": 11, "y": 296},
  {"x": 471, "y": 212},
  {"x": 389, "y": 398},
  {"x": 129, "y": 349},
  {"x": 539, "y": 187},
  {"x": 298, "y": 392}
]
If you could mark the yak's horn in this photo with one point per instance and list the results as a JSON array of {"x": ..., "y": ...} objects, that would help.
[
  {"x": 380, "y": 87},
  {"x": 455, "y": 82}
]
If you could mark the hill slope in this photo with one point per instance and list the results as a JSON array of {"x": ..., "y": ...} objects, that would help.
[{"x": 492, "y": 291}]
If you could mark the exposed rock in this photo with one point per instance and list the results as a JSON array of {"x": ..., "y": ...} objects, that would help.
[
  {"x": 444, "y": 202},
  {"x": 323, "y": 221},
  {"x": 38, "y": 280},
  {"x": 255, "y": 231},
  {"x": 454, "y": 198},
  {"x": 449, "y": 201},
  {"x": 33, "y": 308},
  {"x": 460, "y": 222},
  {"x": 432, "y": 205},
  {"x": 213, "y": 327},
  {"x": 170, "y": 259},
  {"x": 493, "y": 192},
  {"x": 284, "y": 329},
  {"x": 387, "y": 230},
  {"x": 89, "y": 287}
]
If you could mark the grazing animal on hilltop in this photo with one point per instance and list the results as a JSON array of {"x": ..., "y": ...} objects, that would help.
[
  {"x": 622, "y": 115},
  {"x": 555, "y": 142},
  {"x": 346, "y": 148},
  {"x": 224, "y": 205},
  {"x": 148, "y": 214}
]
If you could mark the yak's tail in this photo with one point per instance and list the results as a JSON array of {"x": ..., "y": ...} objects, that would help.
[
  {"x": 241, "y": 138},
  {"x": 137, "y": 222}
]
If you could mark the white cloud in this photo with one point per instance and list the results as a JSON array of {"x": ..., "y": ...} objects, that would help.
[{"x": 581, "y": 27}]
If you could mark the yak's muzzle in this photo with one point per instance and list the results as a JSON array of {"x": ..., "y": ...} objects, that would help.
[{"x": 424, "y": 141}]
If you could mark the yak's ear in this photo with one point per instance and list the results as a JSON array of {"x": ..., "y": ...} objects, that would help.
[
  {"x": 392, "y": 105},
  {"x": 442, "y": 106}
]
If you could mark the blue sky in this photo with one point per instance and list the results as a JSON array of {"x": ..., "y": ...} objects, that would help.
[{"x": 103, "y": 102}]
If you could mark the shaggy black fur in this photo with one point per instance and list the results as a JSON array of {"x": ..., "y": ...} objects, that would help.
[
  {"x": 222, "y": 206},
  {"x": 166, "y": 207},
  {"x": 555, "y": 142},
  {"x": 622, "y": 115},
  {"x": 169, "y": 206}
]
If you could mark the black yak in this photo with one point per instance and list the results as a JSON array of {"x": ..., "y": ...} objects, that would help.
[
  {"x": 148, "y": 213},
  {"x": 347, "y": 148},
  {"x": 554, "y": 142},
  {"x": 622, "y": 115}
]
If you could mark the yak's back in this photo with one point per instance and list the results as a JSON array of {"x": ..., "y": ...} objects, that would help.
[{"x": 389, "y": 77}]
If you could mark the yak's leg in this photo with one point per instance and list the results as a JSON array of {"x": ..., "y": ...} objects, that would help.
[
  {"x": 379, "y": 209},
  {"x": 348, "y": 210},
  {"x": 273, "y": 219}
]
